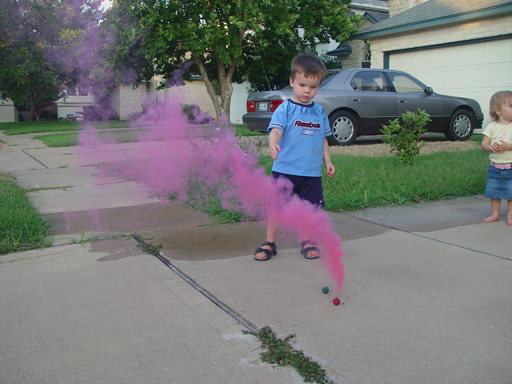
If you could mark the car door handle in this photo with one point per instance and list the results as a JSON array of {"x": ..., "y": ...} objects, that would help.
[
  {"x": 356, "y": 99},
  {"x": 403, "y": 101}
]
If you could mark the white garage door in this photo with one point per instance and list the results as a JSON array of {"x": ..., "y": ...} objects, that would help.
[{"x": 473, "y": 70}]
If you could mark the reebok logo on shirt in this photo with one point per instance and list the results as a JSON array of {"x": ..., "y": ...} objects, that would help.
[
  {"x": 308, "y": 132},
  {"x": 303, "y": 124}
]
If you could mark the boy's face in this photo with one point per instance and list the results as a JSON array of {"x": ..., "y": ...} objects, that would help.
[
  {"x": 504, "y": 112},
  {"x": 304, "y": 88}
]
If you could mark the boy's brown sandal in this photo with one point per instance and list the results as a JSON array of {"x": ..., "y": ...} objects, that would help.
[
  {"x": 305, "y": 251},
  {"x": 268, "y": 252}
]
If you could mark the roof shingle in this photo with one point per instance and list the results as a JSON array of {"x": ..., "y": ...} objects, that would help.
[{"x": 435, "y": 13}]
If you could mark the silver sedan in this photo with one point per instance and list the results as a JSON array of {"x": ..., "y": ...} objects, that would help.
[{"x": 359, "y": 101}]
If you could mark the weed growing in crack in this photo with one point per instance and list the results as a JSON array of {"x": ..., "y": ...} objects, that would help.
[
  {"x": 83, "y": 239},
  {"x": 280, "y": 352},
  {"x": 147, "y": 247}
]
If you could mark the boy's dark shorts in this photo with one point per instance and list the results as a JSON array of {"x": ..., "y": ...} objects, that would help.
[{"x": 305, "y": 187}]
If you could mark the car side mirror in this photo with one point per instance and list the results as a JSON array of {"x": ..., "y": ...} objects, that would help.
[{"x": 429, "y": 90}]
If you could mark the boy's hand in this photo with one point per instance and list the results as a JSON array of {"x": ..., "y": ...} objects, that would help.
[
  {"x": 274, "y": 151},
  {"x": 330, "y": 169},
  {"x": 274, "y": 138}
]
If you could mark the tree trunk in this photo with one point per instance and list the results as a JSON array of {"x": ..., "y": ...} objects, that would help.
[
  {"x": 222, "y": 106},
  {"x": 208, "y": 84},
  {"x": 32, "y": 111},
  {"x": 226, "y": 86}
]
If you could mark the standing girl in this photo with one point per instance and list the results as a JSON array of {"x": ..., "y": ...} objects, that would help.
[{"x": 498, "y": 141}]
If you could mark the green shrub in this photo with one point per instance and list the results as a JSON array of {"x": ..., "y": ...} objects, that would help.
[{"x": 404, "y": 139}]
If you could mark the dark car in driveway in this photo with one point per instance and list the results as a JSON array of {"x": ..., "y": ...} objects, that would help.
[{"x": 359, "y": 101}]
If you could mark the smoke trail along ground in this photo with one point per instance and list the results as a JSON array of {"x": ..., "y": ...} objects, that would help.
[{"x": 172, "y": 156}]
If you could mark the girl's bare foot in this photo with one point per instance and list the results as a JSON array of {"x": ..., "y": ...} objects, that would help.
[
  {"x": 491, "y": 218},
  {"x": 509, "y": 220}
]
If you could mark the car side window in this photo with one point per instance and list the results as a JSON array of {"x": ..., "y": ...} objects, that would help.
[
  {"x": 404, "y": 84},
  {"x": 368, "y": 81}
]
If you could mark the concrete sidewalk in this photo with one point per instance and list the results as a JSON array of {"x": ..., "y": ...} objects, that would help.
[{"x": 426, "y": 297}]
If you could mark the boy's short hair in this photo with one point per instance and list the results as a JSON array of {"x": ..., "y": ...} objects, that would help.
[
  {"x": 309, "y": 65},
  {"x": 497, "y": 100}
]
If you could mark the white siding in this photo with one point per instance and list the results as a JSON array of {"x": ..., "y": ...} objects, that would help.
[{"x": 472, "y": 70}]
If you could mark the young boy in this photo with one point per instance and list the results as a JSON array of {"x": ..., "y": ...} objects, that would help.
[{"x": 298, "y": 144}]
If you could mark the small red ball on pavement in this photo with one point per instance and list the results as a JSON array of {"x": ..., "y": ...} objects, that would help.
[{"x": 336, "y": 301}]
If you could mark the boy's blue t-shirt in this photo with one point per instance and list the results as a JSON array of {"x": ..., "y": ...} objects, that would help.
[{"x": 304, "y": 128}]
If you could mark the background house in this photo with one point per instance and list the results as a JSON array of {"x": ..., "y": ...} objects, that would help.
[
  {"x": 8, "y": 112},
  {"x": 357, "y": 53},
  {"x": 127, "y": 101},
  {"x": 74, "y": 101},
  {"x": 461, "y": 48}
]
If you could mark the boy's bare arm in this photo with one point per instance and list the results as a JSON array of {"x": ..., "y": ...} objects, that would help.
[
  {"x": 327, "y": 160},
  {"x": 274, "y": 138}
]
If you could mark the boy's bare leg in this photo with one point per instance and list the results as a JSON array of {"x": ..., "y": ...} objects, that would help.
[
  {"x": 495, "y": 208},
  {"x": 509, "y": 216},
  {"x": 311, "y": 253},
  {"x": 271, "y": 238}
]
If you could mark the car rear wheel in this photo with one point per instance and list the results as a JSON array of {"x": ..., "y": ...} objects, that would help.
[
  {"x": 345, "y": 128},
  {"x": 461, "y": 126}
]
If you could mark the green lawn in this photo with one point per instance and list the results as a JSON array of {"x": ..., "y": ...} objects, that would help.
[
  {"x": 242, "y": 131},
  {"x": 21, "y": 227},
  {"x": 69, "y": 139},
  {"x": 23, "y": 127},
  {"x": 64, "y": 133},
  {"x": 363, "y": 182}
]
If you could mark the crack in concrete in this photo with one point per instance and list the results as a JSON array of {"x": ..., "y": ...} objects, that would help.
[
  {"x": 433, "y": 239},
  {"x": 29, "y": 155}
]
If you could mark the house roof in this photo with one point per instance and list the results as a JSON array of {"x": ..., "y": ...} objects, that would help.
[
  {"x": 375, "y": 17},
  {"x": 341, "y": 50},
  {"x": 434, "y": 13},
  {"x": 345, "y": 49}
]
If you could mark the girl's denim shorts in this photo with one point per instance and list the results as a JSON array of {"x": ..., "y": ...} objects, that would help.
[{"x": 499, "y": 184}]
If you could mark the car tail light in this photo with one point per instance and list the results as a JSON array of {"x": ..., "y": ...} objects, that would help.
[
  {"x": 274, "y": 104},
  {"x": 251, "y": 106}
]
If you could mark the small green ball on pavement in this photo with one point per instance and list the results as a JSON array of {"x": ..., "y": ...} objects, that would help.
[{"x": 325, "y": 290}]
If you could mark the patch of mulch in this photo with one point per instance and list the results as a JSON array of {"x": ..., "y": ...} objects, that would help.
[
  {"x": 375, "y": 147},
  {"x": 372, "y": 146}
]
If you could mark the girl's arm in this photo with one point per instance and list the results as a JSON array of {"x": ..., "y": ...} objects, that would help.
[
  {"x": 327, "y": 160},
  {"x": 486, "y": 144},
  {"x": 498, "y": 146}
]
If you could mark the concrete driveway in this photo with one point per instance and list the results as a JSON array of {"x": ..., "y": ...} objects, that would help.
[{"x": 426, "y": 297}]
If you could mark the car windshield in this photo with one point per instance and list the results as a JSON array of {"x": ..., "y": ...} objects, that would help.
[{"x": 328, "y": 76}]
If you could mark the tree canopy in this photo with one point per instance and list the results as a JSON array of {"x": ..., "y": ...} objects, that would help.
[
  {"x": 225, "y": 40},
  {"x": 38, "y": 42}
]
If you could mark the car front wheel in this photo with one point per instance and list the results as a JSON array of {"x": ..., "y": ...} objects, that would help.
[
  {"x": 461, "y": 126},
  {"x": 345, "y": 128}
]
